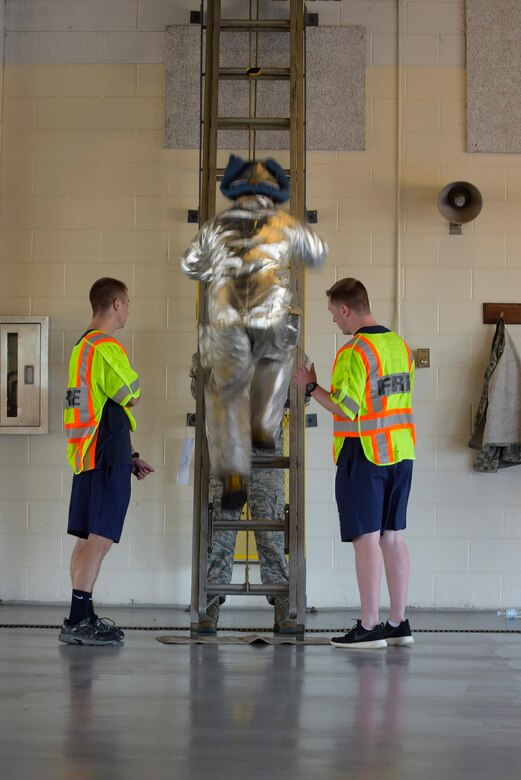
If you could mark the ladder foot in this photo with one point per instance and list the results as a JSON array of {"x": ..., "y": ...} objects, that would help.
[{"x": 207, "y": 627}]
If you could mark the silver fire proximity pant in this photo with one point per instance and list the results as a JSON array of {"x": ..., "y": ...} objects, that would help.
[{"x": 250, "y": 370}]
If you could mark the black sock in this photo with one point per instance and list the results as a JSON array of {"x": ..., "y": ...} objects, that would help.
[
  {"x": 92, "y": 614},
  {"x": 81, "y": 603}
]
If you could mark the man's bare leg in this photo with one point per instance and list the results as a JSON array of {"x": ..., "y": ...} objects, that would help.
[
  {"x": 83, "y": 627},
  {"x": 86, "y": 561},
  {"x": 396, "y": 562},
  {"x": 368, "y": 561}
]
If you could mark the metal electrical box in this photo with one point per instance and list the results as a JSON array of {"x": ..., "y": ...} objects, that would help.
[{"x": 24, "y": 375}]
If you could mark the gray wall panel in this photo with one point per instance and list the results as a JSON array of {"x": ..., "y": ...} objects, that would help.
[
  {"x": 494, "y": 76},
  {"x": 335, "y": 88}
]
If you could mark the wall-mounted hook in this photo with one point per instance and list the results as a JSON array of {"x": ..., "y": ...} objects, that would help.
[{"x": 509, "y": 312}]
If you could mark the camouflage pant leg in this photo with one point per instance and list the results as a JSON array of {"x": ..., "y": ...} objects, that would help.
[
  {"x": 220, "y": 559},
  {"x": 266, "y": 502},
  {"x": 266, "y": 499},
  {"x": 270, "y": 547},
  {"x": 273, "y": 564}
]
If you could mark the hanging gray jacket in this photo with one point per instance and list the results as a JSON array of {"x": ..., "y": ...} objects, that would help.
[{"x": 497, "y": 427}]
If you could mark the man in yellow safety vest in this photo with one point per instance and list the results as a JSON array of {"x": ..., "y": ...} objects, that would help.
[
  {"x": 370, "y": 399},
  {"x": 102, "y": 388}
]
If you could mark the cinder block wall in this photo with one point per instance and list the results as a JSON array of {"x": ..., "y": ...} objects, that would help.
[{"x": 88, "y": 190}]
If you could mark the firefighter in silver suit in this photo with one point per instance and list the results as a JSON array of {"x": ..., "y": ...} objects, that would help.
[{"x": 245, "y": 254}]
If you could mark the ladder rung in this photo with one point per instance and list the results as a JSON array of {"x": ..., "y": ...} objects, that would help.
[
  {"x": 219, "y": 172},
  {"x": 237, "y": 589},
  {"x": 253, "y": 123},
  {"x": 255, "y": 25},
  {"x": 255, "y": 74},
  {"x": 248, "y": 525},
  {"x": 270, "y": 462}
]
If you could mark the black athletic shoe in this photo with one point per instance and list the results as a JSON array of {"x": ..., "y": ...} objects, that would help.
[
  {"x": 106, "y": 624},
  {"x": 359, "y": 638},
  {"x": 86, "y": 633},
  {"x": 401, "y": 635}
]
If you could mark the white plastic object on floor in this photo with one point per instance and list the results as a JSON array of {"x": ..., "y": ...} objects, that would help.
[{"x": 511, "y": 613}]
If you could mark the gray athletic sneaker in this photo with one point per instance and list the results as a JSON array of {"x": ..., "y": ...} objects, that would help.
[
  {"x": 86, "y": 633},
  {"x": 106, "y": 624}
]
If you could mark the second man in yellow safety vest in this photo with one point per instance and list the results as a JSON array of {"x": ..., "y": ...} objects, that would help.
[{"x": 370, "y": 399}]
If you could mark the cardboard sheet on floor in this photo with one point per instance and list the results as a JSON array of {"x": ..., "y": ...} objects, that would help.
[{"x": 248, "y": 639}]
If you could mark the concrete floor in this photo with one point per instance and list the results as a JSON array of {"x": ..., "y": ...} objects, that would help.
[{"x": 450, "y": 706}]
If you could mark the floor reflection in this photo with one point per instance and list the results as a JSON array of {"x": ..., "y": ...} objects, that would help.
[
  {"x": 91, "y": 733},
  {"x": 245, "y": 710}
]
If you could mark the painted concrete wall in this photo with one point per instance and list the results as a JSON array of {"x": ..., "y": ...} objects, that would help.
[{"x": 87, "y": 190}]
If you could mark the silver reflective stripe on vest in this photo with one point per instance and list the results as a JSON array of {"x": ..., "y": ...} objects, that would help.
[
  {"x": 80, "y": 433},
  {"x": 95, "y": 338},
  {"x": 376, "y": 399},
  {"x": 346, "y": 401},
  {"x": 345, "y": 427},
  {"x": 381, "y": 445},
  {"x": 83, "y": 407},
  {"x": 121, "y": 394},
  {"x": 125, "y": 390},
  {"x": 390, "y": 420}
]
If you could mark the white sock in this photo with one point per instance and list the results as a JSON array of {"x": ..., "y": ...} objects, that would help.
[{"x": 394, "y": 625}]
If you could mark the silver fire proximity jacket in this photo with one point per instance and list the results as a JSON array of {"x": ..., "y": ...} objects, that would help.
[{"x": 245, "y": 254}]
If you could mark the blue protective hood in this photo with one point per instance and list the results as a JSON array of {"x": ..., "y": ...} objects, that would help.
[{"x": 245, "y": 177}]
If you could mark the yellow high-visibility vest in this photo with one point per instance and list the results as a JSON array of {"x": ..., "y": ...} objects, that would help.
[
  {"x": 99, "y": 369},
  {"x": 372, "y": 383}
]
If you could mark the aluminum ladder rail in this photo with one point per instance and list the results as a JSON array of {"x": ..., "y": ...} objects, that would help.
[{"x": 211, "y": 123}]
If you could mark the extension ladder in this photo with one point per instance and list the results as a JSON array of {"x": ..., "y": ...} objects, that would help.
[{"x": 211, "y": 123}]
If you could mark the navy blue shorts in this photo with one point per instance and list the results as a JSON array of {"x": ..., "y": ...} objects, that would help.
[
  {"x": 99, "y": 502},
  {"x": 370, "y": 497}
]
